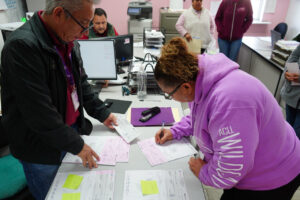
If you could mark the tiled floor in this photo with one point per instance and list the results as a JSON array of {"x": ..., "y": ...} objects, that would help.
[{"x": 215, "y": 194}]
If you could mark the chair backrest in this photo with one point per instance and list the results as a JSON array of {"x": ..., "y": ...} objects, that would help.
[{"x": 281, "y": 28}]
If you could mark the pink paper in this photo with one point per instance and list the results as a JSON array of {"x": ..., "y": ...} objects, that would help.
[
  {"x": 109, "y": 153},
  {"x": 123, "y": 151},
  {"x": 152, "y": 153}
]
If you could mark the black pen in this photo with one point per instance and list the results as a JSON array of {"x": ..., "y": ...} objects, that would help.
[{"x": 162, "y": 130}]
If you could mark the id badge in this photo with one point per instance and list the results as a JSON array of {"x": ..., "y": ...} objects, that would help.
[{"x": 75, "y": 99}]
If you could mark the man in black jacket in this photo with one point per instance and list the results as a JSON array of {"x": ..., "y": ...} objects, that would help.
[{"x": 44, "y": 91}]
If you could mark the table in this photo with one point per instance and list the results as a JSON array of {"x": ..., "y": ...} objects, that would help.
[
  {"x": 137, "y": 161},
  {"x": 255, "y": 59}
]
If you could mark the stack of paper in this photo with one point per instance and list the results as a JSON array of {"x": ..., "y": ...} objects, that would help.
[
  {"x": 111, "y": 149},
  {"x": 155, "y": 184},
  {"x": 157, "y": 154},
  {"x": 87, "y": 185},
  {"x": 154, "y": 38}
]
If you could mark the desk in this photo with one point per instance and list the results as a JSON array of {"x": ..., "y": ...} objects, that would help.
[
  {"x": 254, "y": 58},
  {"x": 137, "y": 161}
]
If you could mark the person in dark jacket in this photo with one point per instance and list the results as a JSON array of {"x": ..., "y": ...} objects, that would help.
[
  {"x": 233, "y": 19},
  {"x": 44, "y": 89}
]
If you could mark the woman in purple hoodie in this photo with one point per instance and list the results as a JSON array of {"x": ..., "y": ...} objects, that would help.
[
  {"x": 233, "y": 19},
  {"x": 250, "y": 150}
]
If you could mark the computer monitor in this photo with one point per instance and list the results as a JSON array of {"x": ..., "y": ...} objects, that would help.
[
  {"x": 275, "y": 36},
  {"x": 123, "y": 46},
  {"x": 98, "y": 58}
]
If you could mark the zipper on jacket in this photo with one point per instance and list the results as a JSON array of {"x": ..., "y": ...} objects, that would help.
[{"x": 232, "y": 22}]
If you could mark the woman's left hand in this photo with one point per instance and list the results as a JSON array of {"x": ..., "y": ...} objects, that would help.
[{"x": 196, "y": 164}]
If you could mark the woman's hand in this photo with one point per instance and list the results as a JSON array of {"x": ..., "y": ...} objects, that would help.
[
  {"x": 196, "y": 164},
  {"x": 291, "y": 76},
  {"x": 163, "y": 135}
]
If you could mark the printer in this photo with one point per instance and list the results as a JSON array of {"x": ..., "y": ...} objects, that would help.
[{"x": 140, "y": 17}]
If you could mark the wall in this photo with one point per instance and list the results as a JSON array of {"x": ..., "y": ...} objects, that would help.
[
  {"x": 292, "y": 18},
  {"x": 117, "y": 14}
]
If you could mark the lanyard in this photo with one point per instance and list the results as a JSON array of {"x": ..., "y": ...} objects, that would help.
[{"x": 68, "y": 73}]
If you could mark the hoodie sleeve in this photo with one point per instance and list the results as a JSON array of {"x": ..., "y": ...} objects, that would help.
[
  {"x": 234, "y": 135},
  {"x": 182, "y": 128}
]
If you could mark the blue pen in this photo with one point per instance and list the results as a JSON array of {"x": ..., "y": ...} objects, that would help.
[{"x": 162, "y": 130}]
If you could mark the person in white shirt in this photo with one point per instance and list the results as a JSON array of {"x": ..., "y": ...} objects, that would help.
[{"x": 196, "y": 22}]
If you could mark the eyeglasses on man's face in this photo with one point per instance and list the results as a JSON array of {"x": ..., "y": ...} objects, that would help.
[
  {"x": 84, "y": 29},
  {"x": 170, "y": 95}
]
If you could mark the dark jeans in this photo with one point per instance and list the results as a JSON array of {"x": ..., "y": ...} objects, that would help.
[
  {"x": 285, "y": 192},
  {"x": 293, "y": 118},
  {"x": 230, "y": 48},
  {"x": 39, "y": 178}
]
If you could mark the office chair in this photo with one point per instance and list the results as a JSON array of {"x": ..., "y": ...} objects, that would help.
[
  {"x": 281, "y": 28},
  {"x": 13, "y": 182}
]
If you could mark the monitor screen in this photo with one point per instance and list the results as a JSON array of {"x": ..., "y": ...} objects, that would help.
[
  {"x": 98, "y": 59},
  {"x": 123, "y": 46}
]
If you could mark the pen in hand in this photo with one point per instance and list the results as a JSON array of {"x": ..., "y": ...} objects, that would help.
[{"x": 162, "y": 130}]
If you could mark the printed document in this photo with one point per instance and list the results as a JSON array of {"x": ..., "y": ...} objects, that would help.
[
  {"x": 94, "y": 185},
  {"x": 125, "y": 129},
  {"x": 111, "y": 149},
  {"x": 170, "y": 185}
]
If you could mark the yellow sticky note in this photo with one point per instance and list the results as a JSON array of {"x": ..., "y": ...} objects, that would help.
[
  {"x": 70, "y": 196},
  {"x": 73, "y": 182},
  {"x": 149, "y": 187}
]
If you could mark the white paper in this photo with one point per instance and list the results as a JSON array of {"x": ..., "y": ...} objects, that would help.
[
  {"x": 111, "y": 149},
  {"x": 171, "y": 150},
  {"x": 95, "y": 185},
  {"x": 293, "y": 68},
  {"x": 125, "y": 129},
  {"x": 170, "y": 184}
]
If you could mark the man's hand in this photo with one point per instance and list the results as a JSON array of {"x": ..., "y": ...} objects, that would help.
[
  {"x": 291, "y": 76},
  {"x": 163, "y": 136},
  {"x": 188, "y": 37},
  {"x": 87, "y": 156},
  {"x": 110, "y": 120},
  {"x": 196, "y": 164}
]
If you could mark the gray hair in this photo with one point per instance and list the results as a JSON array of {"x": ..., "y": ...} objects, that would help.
[{"x": 71, "y": 5}]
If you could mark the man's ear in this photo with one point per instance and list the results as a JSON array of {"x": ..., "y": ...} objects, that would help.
[{"x": 58, "y": 13}]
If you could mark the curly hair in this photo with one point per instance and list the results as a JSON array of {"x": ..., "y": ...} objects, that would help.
[{"x": 176, "y": 64}]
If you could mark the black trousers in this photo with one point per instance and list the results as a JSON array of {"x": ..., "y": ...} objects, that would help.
[{"x": 285, "y": 192}]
